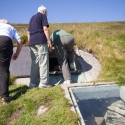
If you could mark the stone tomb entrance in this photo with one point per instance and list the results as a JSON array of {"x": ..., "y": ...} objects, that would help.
[
  {"x": 87, "y": 68},
  {"x": 20, "y": 68}
]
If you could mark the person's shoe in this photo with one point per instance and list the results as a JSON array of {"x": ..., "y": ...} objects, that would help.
[
  {"x": 72, "y": 66},
  {"x": 44, "y": 85},
  {"x": 67, "y": 82},
  {"x": 6, "y": 100},
  {"x": 32, "y": 85}
]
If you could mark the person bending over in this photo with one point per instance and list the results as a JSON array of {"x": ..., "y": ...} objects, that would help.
[
  {"x": 63, "y": 43},
  {"x": 7, "y": 34}
]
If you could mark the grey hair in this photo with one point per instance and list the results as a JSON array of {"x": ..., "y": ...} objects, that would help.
[
  {"x": 4, "y": 21},
  {"x": 41, "y": 9}
]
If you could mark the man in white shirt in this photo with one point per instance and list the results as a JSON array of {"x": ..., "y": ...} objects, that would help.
[{"x": 7, "y": 34}]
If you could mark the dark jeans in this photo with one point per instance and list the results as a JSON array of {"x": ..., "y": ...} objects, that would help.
[{"x": 6, "y": 51}]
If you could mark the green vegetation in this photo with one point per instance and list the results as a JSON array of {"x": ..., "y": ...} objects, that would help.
[{"x": 22, "y": 110}]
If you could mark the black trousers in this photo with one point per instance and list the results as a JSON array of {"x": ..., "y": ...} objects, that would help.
[{"x": 6, "y": 51}]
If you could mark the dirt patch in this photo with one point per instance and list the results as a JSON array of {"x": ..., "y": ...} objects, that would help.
[{"x": 15, "y": 116}]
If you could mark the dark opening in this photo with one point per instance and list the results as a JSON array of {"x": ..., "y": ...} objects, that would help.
[{"x": 53, "y": 64}]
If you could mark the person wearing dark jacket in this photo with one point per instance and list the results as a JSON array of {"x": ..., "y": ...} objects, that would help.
[{"x": 39, "y": 42}]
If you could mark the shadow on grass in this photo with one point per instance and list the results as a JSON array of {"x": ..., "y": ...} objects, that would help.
[{"x": 19, "y": 91}]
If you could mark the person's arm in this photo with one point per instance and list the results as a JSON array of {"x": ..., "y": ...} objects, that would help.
[
  {"x": 19, "y": 47},
  {"x": 28, "y": 36},
  {"x": 76, "y": 54},
  {"x": 46, "y": 31}
]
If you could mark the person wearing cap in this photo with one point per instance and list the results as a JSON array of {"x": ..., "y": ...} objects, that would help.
[
  {"x": 63, "y": 43},
  {"x": 39, "y": 43},
  {"x": 7, "y": 34}
]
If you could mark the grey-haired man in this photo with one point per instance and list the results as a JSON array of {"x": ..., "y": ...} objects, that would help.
[
  {"x": 7, "y": 34},
  {"x": 38, "y": 36}
]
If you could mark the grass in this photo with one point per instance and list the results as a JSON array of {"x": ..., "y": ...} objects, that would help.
[{"x": 25, "y": 102}]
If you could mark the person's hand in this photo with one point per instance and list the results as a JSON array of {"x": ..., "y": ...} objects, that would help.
[
  {"x": 77, "y": 55},
  {"x": 15, "y": 56},
  {"x": 50, "y": 47}
]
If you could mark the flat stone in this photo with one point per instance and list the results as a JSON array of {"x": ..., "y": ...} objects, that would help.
[{"x": 41, "y": 110}]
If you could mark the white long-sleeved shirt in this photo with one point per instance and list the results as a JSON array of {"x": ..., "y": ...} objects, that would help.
[{"x": 8, "y": 30}]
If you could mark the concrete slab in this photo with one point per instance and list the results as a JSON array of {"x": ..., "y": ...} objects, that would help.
[
  {"x": 21, "y": 66},
  {"x": 90, "y": 66}
]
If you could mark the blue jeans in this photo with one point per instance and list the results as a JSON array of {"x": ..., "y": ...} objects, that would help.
[{"x": 40, "y": 65}]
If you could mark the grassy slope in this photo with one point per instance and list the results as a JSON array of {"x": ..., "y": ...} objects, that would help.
[
  {"x": 25, "y": 102},
  {"x": 106, "y": 41}
]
